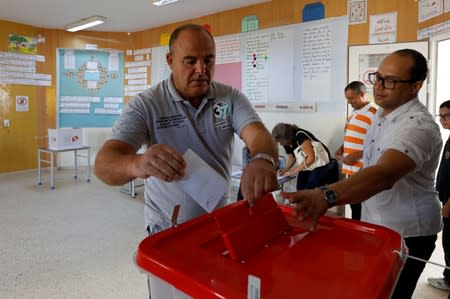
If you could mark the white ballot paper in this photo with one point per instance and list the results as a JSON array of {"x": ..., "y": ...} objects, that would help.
[{"x": 201, "y": 182}]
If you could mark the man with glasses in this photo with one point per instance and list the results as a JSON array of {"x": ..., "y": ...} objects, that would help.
[{"x": 401, "y": 154}]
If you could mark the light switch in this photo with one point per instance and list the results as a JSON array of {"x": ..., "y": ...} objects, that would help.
[{"x": 6, "y": 123}]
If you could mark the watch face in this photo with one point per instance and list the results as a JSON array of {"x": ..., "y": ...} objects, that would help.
[{"x": 330, "y": 195}]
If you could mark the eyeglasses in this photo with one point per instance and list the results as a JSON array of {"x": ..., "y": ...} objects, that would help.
[
  {"x": 445, "y": 117},
  {"x": 387, "y": 83}
]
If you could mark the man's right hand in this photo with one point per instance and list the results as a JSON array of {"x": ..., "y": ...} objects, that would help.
[
  {"x": 339, "y": 152},
  {"x": 161, "y": 161}
]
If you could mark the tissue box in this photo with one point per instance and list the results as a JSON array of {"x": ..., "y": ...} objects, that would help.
[{"x": 65, "y": 138}]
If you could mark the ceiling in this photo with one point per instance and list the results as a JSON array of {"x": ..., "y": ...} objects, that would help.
[{"x": 122, "y": 16}]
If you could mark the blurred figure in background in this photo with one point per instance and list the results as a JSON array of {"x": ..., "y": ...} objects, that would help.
[
  {"x": 443, "y": 187},
  {"x": 293, "y": 138},
  {"x": 351, "y": 152}
]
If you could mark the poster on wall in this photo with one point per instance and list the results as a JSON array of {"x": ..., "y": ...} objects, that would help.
[
  {"x": 22, "y": 44},
  {"x": 228, "y": 61},
  {"x": 267, "y": 70},
  {"x": 357, "y": 11},
  {"x": 22, "y": 104},
  {"x": 91, "y": 87},
  {"x": 383, "y": 28},
  {"x": 429, "y": 9}
]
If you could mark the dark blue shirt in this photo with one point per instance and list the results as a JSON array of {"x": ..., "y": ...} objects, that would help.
[{"x": 443, "y": 176}]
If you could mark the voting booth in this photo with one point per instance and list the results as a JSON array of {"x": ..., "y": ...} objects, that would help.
[{"x": 237, "y": 251}]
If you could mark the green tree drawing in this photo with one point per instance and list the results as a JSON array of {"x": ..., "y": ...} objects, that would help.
[{"x": 17, "y": 40}]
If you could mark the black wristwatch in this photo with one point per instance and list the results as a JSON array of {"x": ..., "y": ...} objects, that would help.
[{"x": 329, "y": 195}]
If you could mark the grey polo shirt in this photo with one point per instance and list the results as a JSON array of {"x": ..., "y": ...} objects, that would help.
[
  {"x": 161, "y": 115},
  {"x": 411, "y": 206}
]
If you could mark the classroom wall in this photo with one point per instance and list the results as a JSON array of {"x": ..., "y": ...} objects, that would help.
[{"x": 28, "y": 130}]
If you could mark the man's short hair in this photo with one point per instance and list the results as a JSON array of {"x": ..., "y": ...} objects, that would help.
[
  {"x": 190, "y": 26},
  {"x": 419, "y": 70},
  {"x": 445, "y": 104},
  {"x": 356, "y": 86}
]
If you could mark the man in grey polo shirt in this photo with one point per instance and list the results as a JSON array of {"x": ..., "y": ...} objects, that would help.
[
  {"x": 186, "y": 111},
  {"x": 401, "y": 153}
]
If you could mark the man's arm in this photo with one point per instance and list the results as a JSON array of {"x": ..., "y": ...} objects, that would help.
[
  {"x": 391, "y": 167},
  {"x": 259, "y": 175},
  {"x": 118, "y": 163}
]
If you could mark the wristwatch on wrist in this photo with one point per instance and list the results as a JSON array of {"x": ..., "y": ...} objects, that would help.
[
  {"x": 329, "y": 195},
  {"x": 263, "y": 156}
]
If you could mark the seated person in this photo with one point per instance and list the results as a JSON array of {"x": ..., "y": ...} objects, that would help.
[{"x": 291, "y": 138}]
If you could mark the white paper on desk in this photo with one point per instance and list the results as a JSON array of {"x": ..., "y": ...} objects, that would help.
[{"x": 201, "y": 182}]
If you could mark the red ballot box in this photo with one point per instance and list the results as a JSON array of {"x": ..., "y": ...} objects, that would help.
[{"x": 212, "y": 256}]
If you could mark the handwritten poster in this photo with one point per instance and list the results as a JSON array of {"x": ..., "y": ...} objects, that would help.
[
  {"x": 383, "y": 28},
  {"x": 268, "y": 55},
  {"x": 321, "y": 61},
  {"x": 429, "y": 9}
]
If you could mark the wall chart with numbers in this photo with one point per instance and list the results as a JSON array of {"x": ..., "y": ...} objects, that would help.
[{"x": 90, "y": 90}]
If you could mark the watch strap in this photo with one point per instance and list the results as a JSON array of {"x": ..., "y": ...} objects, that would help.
[{"x": 263, "y": 156}]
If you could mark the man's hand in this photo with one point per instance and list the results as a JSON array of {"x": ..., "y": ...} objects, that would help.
[
  {"x": 308, "y": 204},
  {"x": 352, "y": 158},
  {"x": 339, "y": 153},
  {"x": 446, "y": 209},
  {"x": 161, "y": 161},
  {"x": 259, "y": 178}
]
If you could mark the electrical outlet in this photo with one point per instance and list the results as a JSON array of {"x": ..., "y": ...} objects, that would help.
[{"x": 6, "y": 123}]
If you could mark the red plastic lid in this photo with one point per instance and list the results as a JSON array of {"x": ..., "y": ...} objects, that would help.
[{"x": 342, "y": 257}]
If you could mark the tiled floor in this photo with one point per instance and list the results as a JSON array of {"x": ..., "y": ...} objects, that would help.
[{"x": 78, "y": 240}]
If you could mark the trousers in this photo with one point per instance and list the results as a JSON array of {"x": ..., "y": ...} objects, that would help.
[{"x": 421, "y": 247}]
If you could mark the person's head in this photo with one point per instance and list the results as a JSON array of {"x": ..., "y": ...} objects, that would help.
[
  {"x": 398, "y": 79},
  {"x": 444, "y": 114},
  {"x": 355, "y": 93},
  {"x": 284, "y": 134},
  {"x": 191, "y": 58}
]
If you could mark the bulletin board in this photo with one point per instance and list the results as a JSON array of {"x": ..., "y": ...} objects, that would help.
[
  {"x": 289, "y": 68},
  {"x": 90, "y": 85}
]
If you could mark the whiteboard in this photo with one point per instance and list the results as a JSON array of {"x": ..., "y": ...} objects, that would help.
[
  {"x": 365, "y": 59},
  {"x": 293, "y": 68}
]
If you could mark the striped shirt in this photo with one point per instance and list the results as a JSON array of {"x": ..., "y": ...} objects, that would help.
[{"x": 355, "y": 130}]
